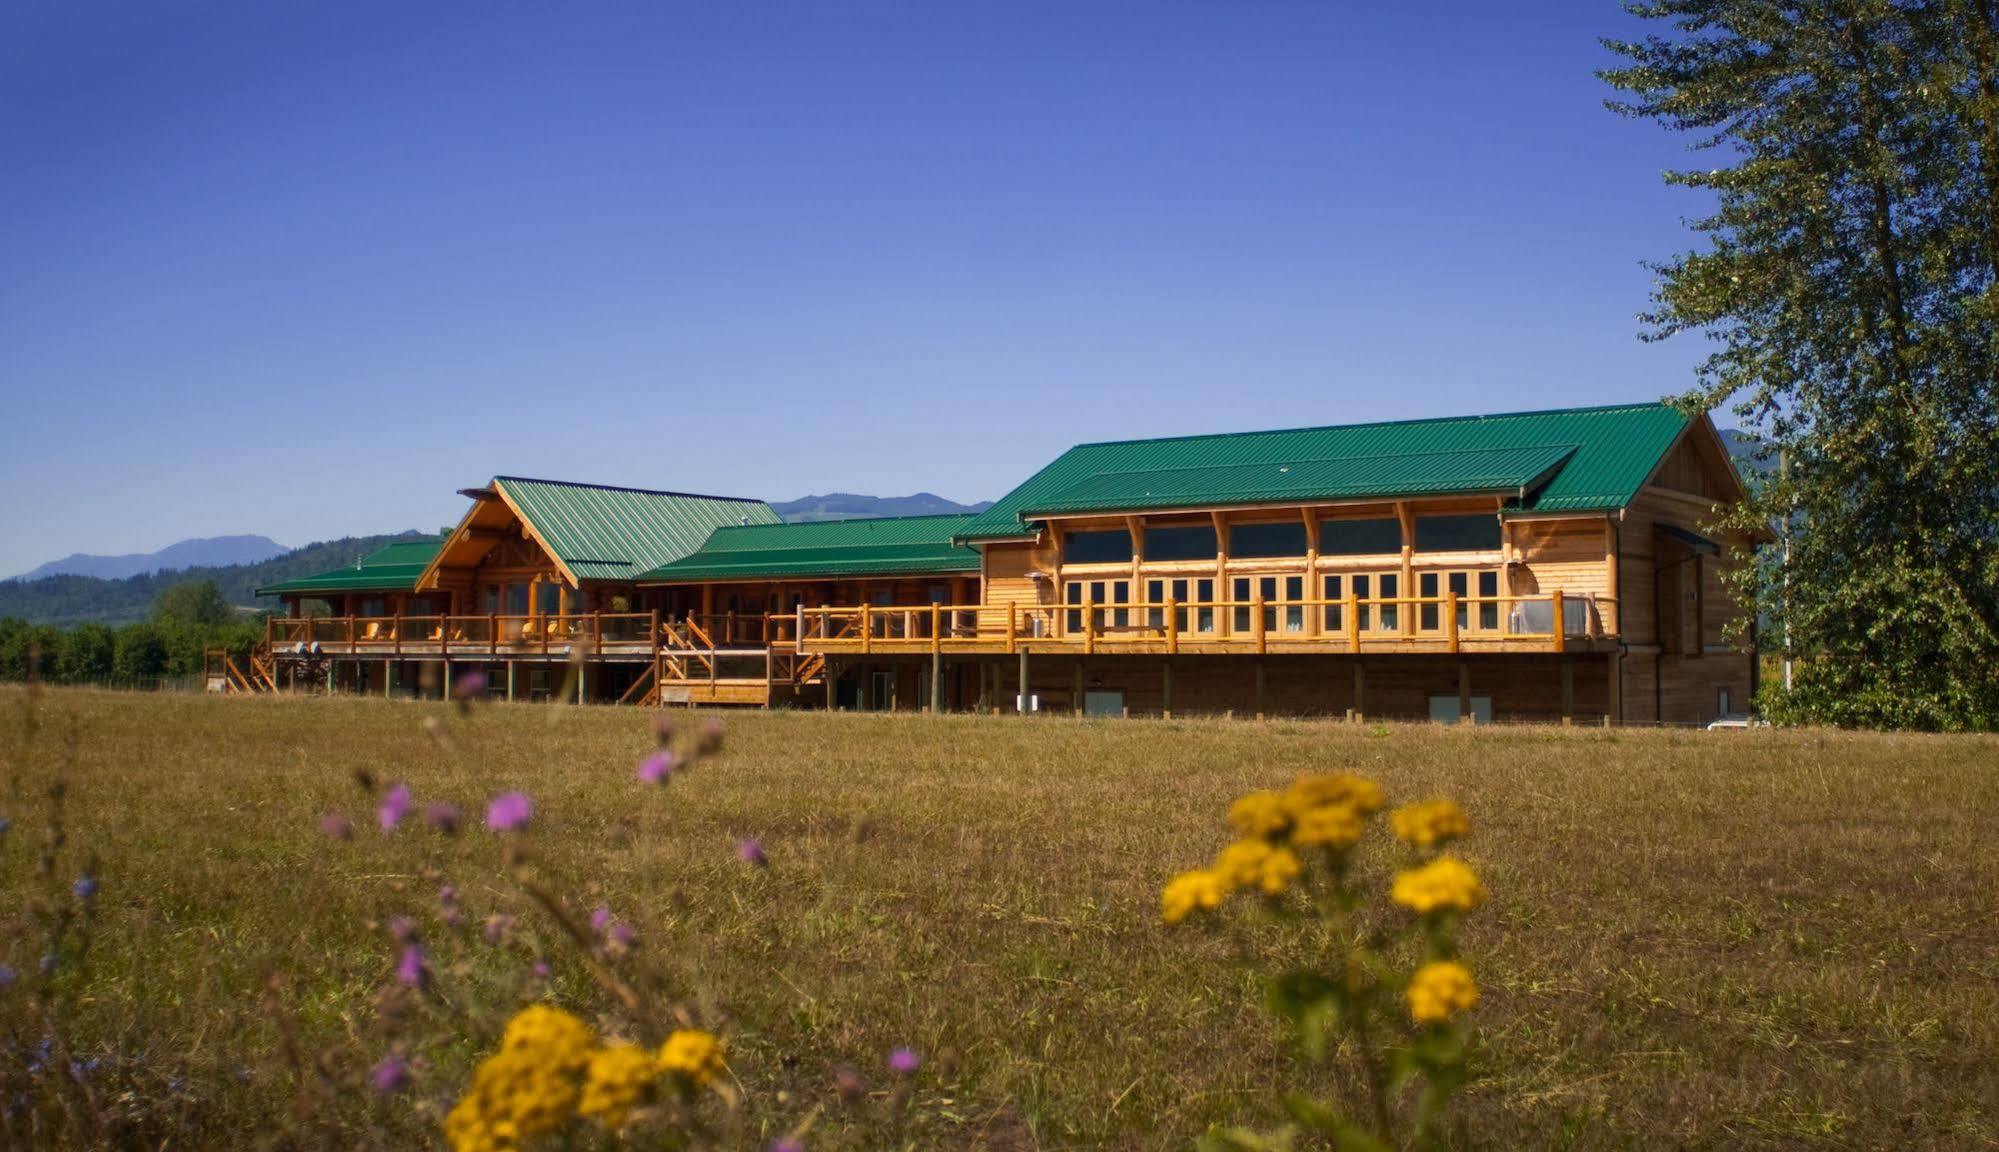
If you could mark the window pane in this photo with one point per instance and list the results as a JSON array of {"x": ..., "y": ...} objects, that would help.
[
  {"x": 1390, "y": 613},
  {"x": 1488, "y": 614},
  {"x": 1360, "y": 537},
  {"x": 1426, "y": 615},
  {"x": 1195, "y": 542},
  {"x": 1155, "y": 595},
  {"x": 1334, "y": 618},
  {"x": 1364, "y": 612},
  {"x": 1457, "y": 533},
  {"x": 1204, "y": 592},
  {"x": 1240, "y": 613},
  {"x": 1112, "y": 547},
  {"x": 1251, "y": 541},
  {"x": 1294, "y": 591}
]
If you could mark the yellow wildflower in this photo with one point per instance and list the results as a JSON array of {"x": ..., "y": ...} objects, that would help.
[
  {"x": 1259, "y": 814},
  {"x": 1444, "y": 884},
  {"x": 1440, "y": 990},
  {"x": 1258, "y": 864},
  {"x": 692, "y": 1056},
  {"x": 552, "y": 1035},
  {"x": 618, "y": 1077},
  {"x": 1191, "y": 890},
  {"x": 514, "y": 1094},
  {"x": 1333, "y": 825},
  {"x": 1333, "y": 790},
  {"x": 1429, "y": 823}
]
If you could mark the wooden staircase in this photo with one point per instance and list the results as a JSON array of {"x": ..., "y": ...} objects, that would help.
[{"x": 225, "y": 675}]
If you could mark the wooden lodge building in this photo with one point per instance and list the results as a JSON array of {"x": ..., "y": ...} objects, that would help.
[{"x": 1529, "y": 566}]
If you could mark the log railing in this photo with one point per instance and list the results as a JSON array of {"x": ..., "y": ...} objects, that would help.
[{"x": 1381, "y": 623}]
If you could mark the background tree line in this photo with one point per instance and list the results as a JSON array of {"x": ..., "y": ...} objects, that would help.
[
  {"x": 1848, "y": 276},
  {"x": 186, "y": 620}
]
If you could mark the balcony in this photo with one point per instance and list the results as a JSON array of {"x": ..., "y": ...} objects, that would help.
[{"x": 1354, "y": 625}]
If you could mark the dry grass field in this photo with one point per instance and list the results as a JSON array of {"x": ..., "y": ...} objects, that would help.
[{"x": 1694, "y": 940}]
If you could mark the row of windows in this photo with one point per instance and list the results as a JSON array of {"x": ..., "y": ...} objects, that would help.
[
  {"x": 1283, "y": 596},
  {"x": 1260, "y": 541}
]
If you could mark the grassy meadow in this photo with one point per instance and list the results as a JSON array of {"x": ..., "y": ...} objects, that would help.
[{"x": 1694, "y": 940}]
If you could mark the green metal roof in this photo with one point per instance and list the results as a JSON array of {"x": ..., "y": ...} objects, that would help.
[
  {"x": 602, "y": 533},
  {"x": 393, "y": 568},
  {"x": 826, "y": 549},
  {"x": 1609, "y": 453},
  {"x": 1512, "y": 470}
]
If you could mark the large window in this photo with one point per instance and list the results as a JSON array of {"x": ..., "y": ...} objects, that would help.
[
  {"x": 1457, "y": 533},
  {"x": 1280, "y": 595},
  {"x": 1479, "y": 585},
  {"x": 549, "y": 599},
  {"x": 1193, "y": 542},
  {"x": 1254, "y": 541},
  {"x": 1095, "y": 593},
  {"x": 1182, "y": 591},
  {"x": 1363, "y": 587},
  {"x": 1360, "y": 537},
  {"x": 1112, "y": 547}
]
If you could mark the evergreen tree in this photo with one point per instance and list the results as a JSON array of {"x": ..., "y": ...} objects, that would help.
[{"x": 1849, "y": 278}]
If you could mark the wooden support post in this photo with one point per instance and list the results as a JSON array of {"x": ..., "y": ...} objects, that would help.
[
  {"x": 1464, "y": 693},
  {"x": 1013, "y": 628},
  {"x": 447, "y": 679},
  {"x": 1451, "y": 618},
  {"x": 329, "y": 677},
  {"x": 582, "y": 679},
  {"x": 1020, "y": 702},
  {"x": 1613, "y": 712},
  {"x": 1172, "y": 625},
  {"x": 867, "y": 629},
  {"x": 1568, "y": 693},
  {"x": 936, "y": 679},
  {"x": 1259, "y": 682},
  {"x": 1353, "y": 623},
  {"x": 1359, "y": 691},
  {"x": 1166, "y": 689},
  {"x": 388, "y": 679},
  {"x": 1089, "y": 626},
  {"x": 1256, "y": 621},
  {"x": 510, "y": 681},
  {"x": 1560, "y": 624}
]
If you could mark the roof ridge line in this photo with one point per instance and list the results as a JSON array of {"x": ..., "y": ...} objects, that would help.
[
  {"x": 626, "y": 488},
  {"x": 1629, "y": 406},
  {"x": 1336, "y": 459}
]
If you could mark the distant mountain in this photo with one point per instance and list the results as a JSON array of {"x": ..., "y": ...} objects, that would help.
[
  {"x": 68, "y": 598},
  {"x": 1748, "y": 453},
  {"x": 208, "y": 552},
  {"x": 841, "y": 505}
]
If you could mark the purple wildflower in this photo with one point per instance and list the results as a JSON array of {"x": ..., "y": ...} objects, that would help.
[
  {"x": 849, "y": 1084},
  {"x": 49, "y": 962},
  {"x": 85, "y": 887},
  {"x": 600, "y": 919},
  {"x": 623, "y": 935},
  {"x": 657, "y": 768},
  {"x": 541, "y": 970},
  {"x": 334, "y": 826},
  {"x": 448, "y": 910},
  {"x": 443, "y": 817},
  {"x": 469, "y": 686},
  {"x": 509, "y": 812},
  {"x": 402, "y": 930},
  {"x": 391, "y": 1075},
  {"x": 751, "y": 851},
  {"x": 411, "y": 972},
  {"x": 8, "y": 976},
  {"x": 395, "y": 806},
  {"x": 497, "y": 926},
  {"x": 788, "y": 1144},
  {"x": 903, "y": 1061},
  {"x": 4, "y": 825}
]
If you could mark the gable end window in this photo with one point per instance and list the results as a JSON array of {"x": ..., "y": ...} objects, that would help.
[
  {"x": 1110, "y": 547},
  {"x": 1360, "y": 537},
  {"x": 1195, "y": 542},
  {"x": 1457, "y": 533},
  {"x": 1254, "y": 541}
]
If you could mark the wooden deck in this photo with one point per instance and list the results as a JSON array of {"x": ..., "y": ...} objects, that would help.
[{"x": 1361, "y": 626}]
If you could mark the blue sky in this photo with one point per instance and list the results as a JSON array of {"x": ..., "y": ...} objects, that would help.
[{"x": 266, "y": 268}]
